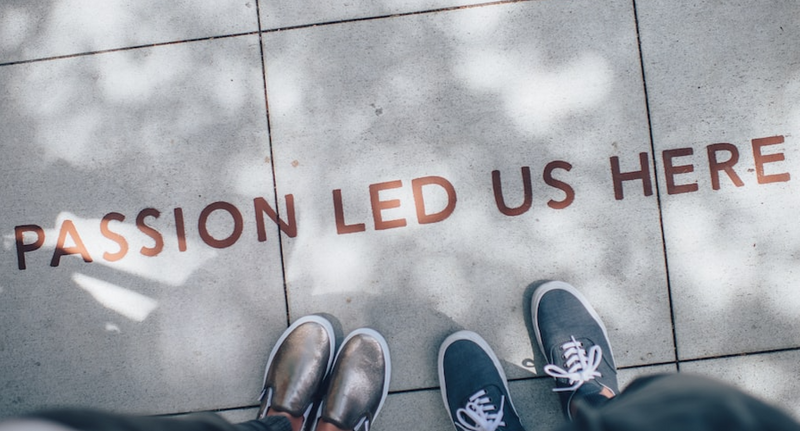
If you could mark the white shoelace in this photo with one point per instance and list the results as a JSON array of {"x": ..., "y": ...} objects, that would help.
[
  {"x": 581, "y": 366},
  {"x": 477, "y": 414}
]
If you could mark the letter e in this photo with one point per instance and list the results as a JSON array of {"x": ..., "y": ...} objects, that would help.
[{"x": 762, "y": 159}]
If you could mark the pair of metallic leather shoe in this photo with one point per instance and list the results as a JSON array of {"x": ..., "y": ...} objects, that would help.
[{"x": 349, "y": 389}]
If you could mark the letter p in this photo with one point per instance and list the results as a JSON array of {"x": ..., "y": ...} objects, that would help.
[{"x": 23, "y": 248}]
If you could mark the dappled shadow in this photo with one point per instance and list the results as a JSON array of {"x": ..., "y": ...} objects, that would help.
[
  {"x": 454, "y": 94},
  {"x": 49, "y": 28},
  {"x": 162, "y": 319},
  {"x": 459, "y": 95}
]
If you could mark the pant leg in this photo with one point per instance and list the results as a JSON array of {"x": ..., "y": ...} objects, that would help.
[
  {"x": 681, "y": 402},
  {"x": 94, "y": 420},
  {"x": 269, "y": 423}
]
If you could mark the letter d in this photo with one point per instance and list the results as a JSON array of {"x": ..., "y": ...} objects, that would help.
[{"x": 419, "y": 201}]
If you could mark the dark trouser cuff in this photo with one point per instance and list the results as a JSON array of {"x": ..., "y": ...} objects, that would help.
[{"x": 269, "y": 423}]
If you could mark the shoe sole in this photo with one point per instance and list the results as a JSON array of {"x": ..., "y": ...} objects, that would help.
[
  {"x": 477, "y": 339},
  {"x": 303, "y": 320},
  {"x": 560, "y": 285}
]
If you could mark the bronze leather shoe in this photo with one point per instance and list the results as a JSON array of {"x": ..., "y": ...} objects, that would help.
[
  {"x": 359, "y": 382},
  {"x": 297, "y": 367}
]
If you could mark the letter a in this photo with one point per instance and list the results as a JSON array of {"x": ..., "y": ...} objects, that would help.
[{"x": 68, "y": 228}]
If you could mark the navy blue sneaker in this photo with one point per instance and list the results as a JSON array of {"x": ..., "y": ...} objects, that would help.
[
  {"x": 575, "y": 344},
  {"x": 474, "y": 386}
]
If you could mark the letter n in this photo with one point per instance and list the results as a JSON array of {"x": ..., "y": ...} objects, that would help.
[{"x": 261, "y": 207}]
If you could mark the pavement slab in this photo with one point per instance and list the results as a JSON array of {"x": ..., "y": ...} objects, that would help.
[
  {"x": 388, "y": 134},
  {"x": 723, "y": 84},
  {"x": 769, "y": 376},
  {"x": 133, "y": 277},
  {"x": 179, "y": 187}
]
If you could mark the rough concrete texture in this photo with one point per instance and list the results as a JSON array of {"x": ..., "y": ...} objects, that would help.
[{"x": 179, "y": 186}]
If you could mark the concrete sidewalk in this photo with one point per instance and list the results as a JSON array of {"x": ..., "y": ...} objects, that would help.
[{"x": 183, "y": 179}]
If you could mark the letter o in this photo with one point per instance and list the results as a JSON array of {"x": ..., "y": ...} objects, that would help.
[{"x": 238, "y": 224}]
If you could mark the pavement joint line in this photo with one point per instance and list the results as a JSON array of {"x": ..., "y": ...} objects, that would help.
[
  {"x": 128, "y": 48},
  {"x": 261, "y": 31},
  {"x": 272, "y": 166},
  {"x": 520, "y": 379},
  {"x": 191, "y": 412},
  {"x": 737, "y": 355},
  {"x": 397, "y": 15},
  {"x": 657, "y": 186}
]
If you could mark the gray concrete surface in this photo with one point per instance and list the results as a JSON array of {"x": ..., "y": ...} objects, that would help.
[{"x": 179, "y": 186}]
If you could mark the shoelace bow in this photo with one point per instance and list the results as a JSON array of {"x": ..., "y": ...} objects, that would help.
[
  {"x": 477, "y": 414},
  {"x": 581, "y": 366}
]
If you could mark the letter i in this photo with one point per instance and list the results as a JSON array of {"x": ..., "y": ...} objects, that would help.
[{"x": 179, "y": 229}]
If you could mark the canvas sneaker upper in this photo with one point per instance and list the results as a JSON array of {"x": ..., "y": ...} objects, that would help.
[
  {"x": 574, "y": 341},
  {"x": 474, "y": 386}
]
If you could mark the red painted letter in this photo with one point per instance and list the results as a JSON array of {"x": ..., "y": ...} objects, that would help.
[
  {"x": 238, "y": 224},
  {"x": 261, "y": 206},
  {"x": 761, "y": 159},
  {"x": 550, "y": 181},
  {"x": 113, "y": 236},
  {"x": 643, "y": 174},
  {"x": 378, "y": 205},
  {"x": 180, "y": 229},
  {"x": 152, "y": 233},
  {"x": 22, "y": 248},
  {"x": 69, "y": 228},
  {"x": 527, "y": 199},
  {"x": 338, "y": 211},
  {"x": 714, "y": 166},
  {"x": 670, "y": 171},
  {"x": 419, "y": 201}
]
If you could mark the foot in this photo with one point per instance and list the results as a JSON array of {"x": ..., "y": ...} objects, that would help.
[
  {"x": 474, "y": 386},
  {"x": 575, "y": 344},
  {"x": 296, "y": 368},
  {"x": 359, "y": 383}
]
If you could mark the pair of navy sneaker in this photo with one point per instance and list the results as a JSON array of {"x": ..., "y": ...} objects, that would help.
[{"x": 574, "y": 342}]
